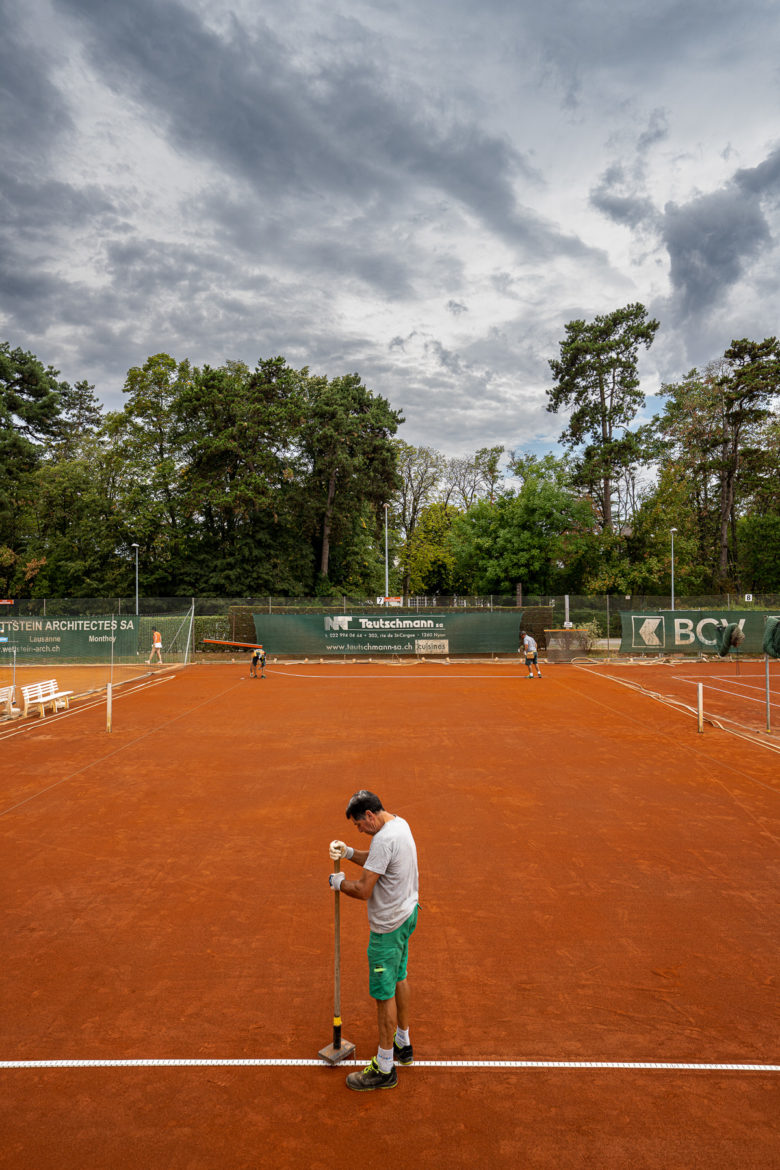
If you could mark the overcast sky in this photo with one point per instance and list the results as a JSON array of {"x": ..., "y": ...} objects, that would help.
[{"x": 421, "y": 191}]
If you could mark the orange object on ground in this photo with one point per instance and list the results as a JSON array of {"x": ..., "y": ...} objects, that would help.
[{"x": 222, "y": 642}]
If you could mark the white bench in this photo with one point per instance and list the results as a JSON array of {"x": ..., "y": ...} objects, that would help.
[
  {"x": 7, "y": 703},
  {"x": 42, "y": 694}
]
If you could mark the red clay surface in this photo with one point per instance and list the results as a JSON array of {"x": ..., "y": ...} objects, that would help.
[
  {"x": 598, "y": 883},
  {"x": 734, "y": 690},
  {"x": 79, "y": 679}
]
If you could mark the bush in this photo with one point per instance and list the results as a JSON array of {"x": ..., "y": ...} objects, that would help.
[
  {"x": 210, "y": 626},
  {"x": 592, "y": 632}
]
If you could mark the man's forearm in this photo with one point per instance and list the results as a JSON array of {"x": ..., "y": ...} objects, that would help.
[
  {"x": 356, "y": 889},
  {"x": 362, "y": 887}
]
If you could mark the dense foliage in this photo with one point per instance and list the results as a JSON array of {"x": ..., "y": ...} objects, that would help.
[
  {"x": 227, "y": 480},
  {"x": 231, "y": 481}
]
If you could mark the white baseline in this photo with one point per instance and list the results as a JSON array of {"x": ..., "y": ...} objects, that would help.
[{"x": 651, "y": 1066}]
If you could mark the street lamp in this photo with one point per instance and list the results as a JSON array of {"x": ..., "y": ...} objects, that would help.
[
  {"x": 135, "y": 546},
  {"x": 387, "y": 580},
  {"x": 672, "y": 531}
]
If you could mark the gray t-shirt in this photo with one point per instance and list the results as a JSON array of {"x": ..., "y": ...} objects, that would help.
[{"x": 393, "y": 855}]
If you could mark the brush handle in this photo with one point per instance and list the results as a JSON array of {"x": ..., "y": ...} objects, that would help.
[{"x": 337, "y": 966}]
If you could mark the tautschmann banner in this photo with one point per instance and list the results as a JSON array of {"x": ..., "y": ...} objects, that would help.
[{"x": 401, "y": 634}]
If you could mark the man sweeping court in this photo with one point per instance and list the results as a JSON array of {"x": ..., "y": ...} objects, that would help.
[
  {"x": 389, "y": 884},
  {"x": 258, "y": 659}
]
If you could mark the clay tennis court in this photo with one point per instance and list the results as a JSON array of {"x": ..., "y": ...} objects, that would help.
[
  {"x": 594, "y": 971},
  {"x": 736, "y": 692}
]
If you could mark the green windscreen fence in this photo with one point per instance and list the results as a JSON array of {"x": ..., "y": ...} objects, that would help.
[
  {"x": 690, "y": 631},
  {"x": 100, "y": 638},
  {"x": 407, "y": 634}
]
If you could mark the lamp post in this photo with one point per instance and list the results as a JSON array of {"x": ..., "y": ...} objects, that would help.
[
  {"x": 387, "y": 580},
  {"x": 135, "y": 546},
  {"x": 672, "y": 531}
]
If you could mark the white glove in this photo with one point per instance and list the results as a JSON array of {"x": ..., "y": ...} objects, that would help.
[
  {"x": 335, "y": 880},
  {"x": 337, "y": 850}
]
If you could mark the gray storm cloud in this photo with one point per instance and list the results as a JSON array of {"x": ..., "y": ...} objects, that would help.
[{"x": 232, "y": 182}]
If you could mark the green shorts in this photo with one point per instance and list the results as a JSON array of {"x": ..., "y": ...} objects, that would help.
[{"x": 387, "y": 958}]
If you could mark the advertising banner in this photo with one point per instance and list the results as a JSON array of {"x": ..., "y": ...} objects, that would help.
[
  {"x": 370, "y": 635},
  {"x": 79, "y": 638},
  {"x": 688, "y": 631}
]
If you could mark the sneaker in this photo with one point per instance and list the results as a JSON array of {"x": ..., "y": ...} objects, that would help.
[
  {"x": 402, "y": 1054},
  {"x": 372, "y": 1077}
]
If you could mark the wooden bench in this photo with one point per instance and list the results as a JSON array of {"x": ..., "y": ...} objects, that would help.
[
  {"x": 7, "y": 708},
  {"x": 42, "y": 694}
]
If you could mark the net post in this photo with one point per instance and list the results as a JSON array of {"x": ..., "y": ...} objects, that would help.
[
  {"x": 700, "y": 690},
  {"x": 109, "y": 704}
]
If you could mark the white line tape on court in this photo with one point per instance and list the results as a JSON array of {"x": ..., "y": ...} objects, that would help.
[
  {"x": 406, "y": 678},
  {"x": 651, "y": 1066}
]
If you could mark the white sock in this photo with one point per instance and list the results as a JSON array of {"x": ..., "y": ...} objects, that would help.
[
  {"x": 401, "y": 1037},
  {"x": 384, "y": 1058}
]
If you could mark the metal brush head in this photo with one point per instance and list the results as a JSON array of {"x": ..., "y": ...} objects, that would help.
[{"x": 335, "y": 1055}]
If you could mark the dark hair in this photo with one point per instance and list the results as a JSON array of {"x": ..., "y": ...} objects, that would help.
[{"x": 363, "y": 802}]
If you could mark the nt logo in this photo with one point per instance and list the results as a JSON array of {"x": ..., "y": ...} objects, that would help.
[{"x": 337, "y": 623}]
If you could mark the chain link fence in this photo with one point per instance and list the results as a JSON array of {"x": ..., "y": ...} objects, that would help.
[{"x": 225, "y": 617}]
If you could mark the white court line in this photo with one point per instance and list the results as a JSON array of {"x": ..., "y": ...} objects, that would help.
[
  {"x": 398, "y": 678},
  {"x": 652, "y": 1066},
  {"x": 753, "y": 682},
  {"x": 721, "y": 690},
  {"x": 28, "y": 726}
]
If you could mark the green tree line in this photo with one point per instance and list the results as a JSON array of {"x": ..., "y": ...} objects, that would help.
[
  {"x": 236, "y": 481},
  {"x": 228, "y": 480}
]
